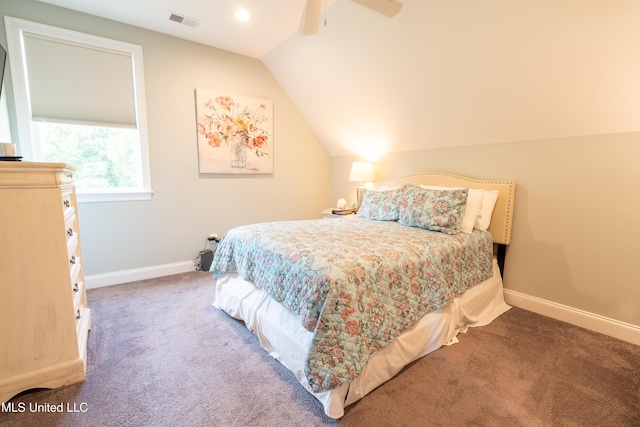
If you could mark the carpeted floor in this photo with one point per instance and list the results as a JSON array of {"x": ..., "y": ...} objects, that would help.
[{"x": 161, "y": 355}]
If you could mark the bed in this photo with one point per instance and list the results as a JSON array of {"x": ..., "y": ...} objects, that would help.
[{"x": 346, "y": 303}]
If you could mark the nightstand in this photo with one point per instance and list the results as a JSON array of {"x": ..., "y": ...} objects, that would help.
[{"x": 327, "y": 213}]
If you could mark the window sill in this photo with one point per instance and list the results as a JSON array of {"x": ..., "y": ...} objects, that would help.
[{"x": 121, "y": 196}]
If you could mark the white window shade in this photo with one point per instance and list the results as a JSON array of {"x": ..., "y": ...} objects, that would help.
[{"x": 76, "y": 83}]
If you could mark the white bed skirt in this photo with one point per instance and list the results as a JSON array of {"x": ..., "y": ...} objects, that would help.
[{"x": 282, "y": 336}]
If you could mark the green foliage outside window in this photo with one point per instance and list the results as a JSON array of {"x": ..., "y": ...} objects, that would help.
[{"x": 106, "y": 158}]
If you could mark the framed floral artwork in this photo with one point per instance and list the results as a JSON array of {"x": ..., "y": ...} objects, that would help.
[{"x": 235, "y": 133}]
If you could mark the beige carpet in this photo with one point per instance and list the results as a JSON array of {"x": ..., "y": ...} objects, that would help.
[{"x": 161, "y": 355}]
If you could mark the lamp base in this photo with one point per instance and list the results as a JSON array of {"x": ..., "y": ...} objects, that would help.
[{"x": 360, "y": 194}]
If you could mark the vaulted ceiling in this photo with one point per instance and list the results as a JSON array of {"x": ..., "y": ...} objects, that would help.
[{"x": 440, "y": 73}]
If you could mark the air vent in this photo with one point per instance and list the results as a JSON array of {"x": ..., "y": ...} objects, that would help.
[
  {"x": 181, "y": 19},
  {"x": 176, "y": 18}
]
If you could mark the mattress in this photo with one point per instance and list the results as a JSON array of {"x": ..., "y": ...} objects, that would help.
[{"x": 283, "y": 337}]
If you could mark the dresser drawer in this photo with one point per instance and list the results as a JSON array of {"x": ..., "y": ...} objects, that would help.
[
  {"x": 75, "y": 266},
  {"x": 70, "y": 228},
  {"x": 79, "y": 304},
  {"x": 75, "y": 274},
  {"x": 75, "y": 261},
  {"x": 81, "y": 315},
  {"x": 67, "y": 203},
  {"x": 66, "y": 176},
  {"x": 78, "y": 291},
  {"x": 72, "y": 248}
]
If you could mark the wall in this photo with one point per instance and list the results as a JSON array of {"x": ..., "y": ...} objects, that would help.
[
  {"x": 575, "y": 241},
  {"x": 187, "y": 206}
]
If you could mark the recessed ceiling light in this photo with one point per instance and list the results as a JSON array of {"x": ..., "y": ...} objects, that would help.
[{"x": 242, "y": 15}]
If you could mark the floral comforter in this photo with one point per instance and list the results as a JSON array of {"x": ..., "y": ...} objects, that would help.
[{"x": 356, "y": 283}]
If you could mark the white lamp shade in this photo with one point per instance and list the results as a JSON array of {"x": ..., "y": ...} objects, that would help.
[{"x": 361, "y": 172}]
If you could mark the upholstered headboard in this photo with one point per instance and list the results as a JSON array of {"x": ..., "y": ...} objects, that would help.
[{"x": 500, "y": 227}]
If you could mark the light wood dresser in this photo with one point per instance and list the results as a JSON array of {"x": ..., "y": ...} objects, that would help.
[{"x": 44, "y": 317}]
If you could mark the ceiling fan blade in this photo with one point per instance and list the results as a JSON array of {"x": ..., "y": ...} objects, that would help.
[
  {"x": 310, "y": 17},
  {"x": 388, "y": 8}
]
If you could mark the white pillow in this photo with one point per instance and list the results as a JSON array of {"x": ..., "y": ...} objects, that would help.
[
  {"x": 385, "y": 188},
  {"x": 488, "y": 203},
  {"x": 472, "y": 210}
]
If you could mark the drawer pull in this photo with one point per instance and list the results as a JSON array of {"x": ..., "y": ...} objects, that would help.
[
  {"x": 70, "y": 232},
  {"x": 76, "y": 288},
  {"x": 72, "y": 260},
  {"x": 78, "y": 315},
  {"x": 66, "y": 203}
]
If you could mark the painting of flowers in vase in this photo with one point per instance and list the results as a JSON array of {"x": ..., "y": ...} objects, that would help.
[{"x": 235, "y": 133}]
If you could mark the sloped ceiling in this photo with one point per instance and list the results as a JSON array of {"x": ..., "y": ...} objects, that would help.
[
  {"x": 441, "y": 73},
  {"x": 461, "y": 72},
  {"x": 271, "y": 21}
]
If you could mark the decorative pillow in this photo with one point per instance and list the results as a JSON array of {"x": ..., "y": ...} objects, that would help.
[
  {"x": 471, "y": 212},
  {"x": 488, "y": 203},
  {"x": 435, "y": 210},
  {"x": 381, "y": 205}
]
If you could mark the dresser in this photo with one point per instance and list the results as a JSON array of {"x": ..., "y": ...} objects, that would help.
[{"x": 44, "y": 317}]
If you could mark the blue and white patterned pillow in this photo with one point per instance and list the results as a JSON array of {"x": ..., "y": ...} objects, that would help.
[
  {"x": 435, "y": 210},
  {"x": 381, "y": 205}
]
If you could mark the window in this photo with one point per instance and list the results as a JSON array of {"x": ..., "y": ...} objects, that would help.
[{"x": 79, "y": 99}]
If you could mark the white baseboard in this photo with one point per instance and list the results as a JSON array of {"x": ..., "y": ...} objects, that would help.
[
  {"x": 604, "y": 325},
  {"x": 108, "y": 279}
]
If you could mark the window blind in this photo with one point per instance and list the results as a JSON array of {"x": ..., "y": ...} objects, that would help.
[{"x": 76, "y": 83}]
